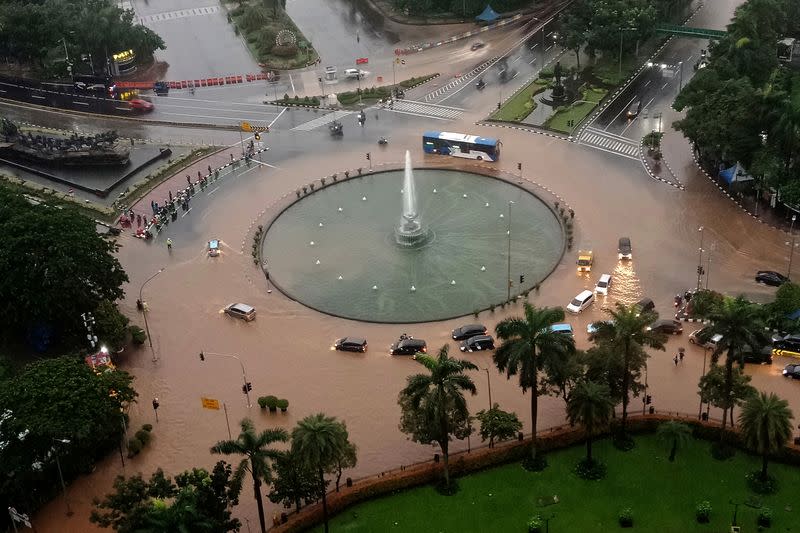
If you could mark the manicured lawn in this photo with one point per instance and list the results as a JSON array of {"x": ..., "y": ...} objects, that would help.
[
  {"x": 576, "y": 112},
  {"x": 520, "y": 105},
  {"x": 662, "y": 495}
]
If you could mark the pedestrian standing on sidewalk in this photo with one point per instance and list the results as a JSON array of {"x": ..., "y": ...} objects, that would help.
[
  {"x": 170, "y": 196},
  {"x": 188, "y": 179}
]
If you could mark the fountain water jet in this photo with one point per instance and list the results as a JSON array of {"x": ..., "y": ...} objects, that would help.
[{"x": 410, "y": 232}]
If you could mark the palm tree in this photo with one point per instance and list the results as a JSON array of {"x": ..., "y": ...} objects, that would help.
[
  {"x": 675, "y": 435},
  {"x": 436, "y": 401},
  {"x": 590, "y": 405},
  {"x": 257, "y": 455},
  {"x": 627, "y": 334},
  {"x": 765, "y": 426},
  {"x": 320, "y": 441},
  {"x": 527, "y": 342},
  {"x": 740, "y": 324}
]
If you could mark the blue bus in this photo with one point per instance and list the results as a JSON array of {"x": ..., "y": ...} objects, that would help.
[{"x": 461, "y": 145}]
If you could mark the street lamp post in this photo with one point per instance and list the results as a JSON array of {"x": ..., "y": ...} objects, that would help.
[
  {"x": 700, "y": 259},
  {"x": 644, "y": 399},
  {"x": 700, "y": 410},
  {"x": 61, "y": 475},
  {"x": 680, "y": 75},
  {"x": 508, "y": 232},
  {"x": 489, "y": 387},
  {"x": 791, "y": 252},
  {"x": 708, "y": 264},
  {"x": 246, "y": 384},
  {"x": 144, "y": 312}
]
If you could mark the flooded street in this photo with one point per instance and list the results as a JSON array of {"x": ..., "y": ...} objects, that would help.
[{"x": 286, "y": 350}]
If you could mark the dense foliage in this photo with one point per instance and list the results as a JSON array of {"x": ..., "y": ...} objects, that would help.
[
  {"x": 53, "y": 268},
  {"x": 32, "y": 32},
  {"x": 56, "y": 407},
  {"x": 468, "y": 8},
  {"x": 195, "y": 501},
  {"x": 745, "y": 105}
]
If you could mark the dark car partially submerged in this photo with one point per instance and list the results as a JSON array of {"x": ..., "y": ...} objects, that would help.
[
  {"x": 408, "y": 346},
  {"x": 351, "y": 344},
  {"x": 667, "y": 325},
  {"x": 467, "y": 331},
  {"x": 771, "y": 278}
]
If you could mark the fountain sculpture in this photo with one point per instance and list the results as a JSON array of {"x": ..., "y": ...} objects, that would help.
[{"x": 410, "y": 232}]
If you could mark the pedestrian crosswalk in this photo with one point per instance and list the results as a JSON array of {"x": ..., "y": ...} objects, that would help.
[
  {"x": 183, "y": 13},
  {"x": 610, "y": 142},
  {"x": 424, "y": 109},
  {"x": 437, "y": 94},
  {"x": 321, "y": 121}
]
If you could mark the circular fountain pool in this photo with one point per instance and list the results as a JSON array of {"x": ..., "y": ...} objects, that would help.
[{"x": 336, "y": 250}]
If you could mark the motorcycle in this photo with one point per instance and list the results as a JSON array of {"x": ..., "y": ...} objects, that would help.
[
  {"x": 480, "y": 85},
  {"x": 383, "y": 140}
]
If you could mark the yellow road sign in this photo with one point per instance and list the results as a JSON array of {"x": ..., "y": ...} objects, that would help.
[
  {"x": 245, "y": 126},
  {"x": 785, "y": 353},
  {"x": 210, "y": 403}
]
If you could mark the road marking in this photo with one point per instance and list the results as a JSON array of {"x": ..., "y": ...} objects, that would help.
[
  {"x": 534, "y": 46},
  {"x": 215, "y": 189},
  {"x": 294, "y": 93},
  {"x": 210, "y": 116},
  {"x": 689, "y": 58},
  {"x": 663, "y": 86},
  {"x": 186, "y": 213},
  {"x": 207, "y": 109},
  {"x": 517, "y": 59},
  {"x": 173, "y": 98},
  {"x": 532, "y": 61},
  {"x": 625, "y": 108},
  {"x": 321, "y": 121},
  {"x": 650, "y": 102},
  {"x": 279, "y": 116},
  {"x": 548, "y": 48},
  {"x": 648, "y": 83},
  {"x": 514, "y": 76}
]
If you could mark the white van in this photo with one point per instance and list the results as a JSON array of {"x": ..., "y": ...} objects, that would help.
[
  {"x": 603, "y": 284},
  {"x": 354, "y": 74},
  {"x": 581, "y": 302}
]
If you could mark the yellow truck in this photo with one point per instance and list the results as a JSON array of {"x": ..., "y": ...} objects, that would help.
[{"x": 585, "y": 259}]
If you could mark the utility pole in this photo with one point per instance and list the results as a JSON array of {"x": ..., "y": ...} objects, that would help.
[
  {"x": 508, "y": 293},
  {"x": 700, "y": 259},
  {"x": 791, "y": 252}
]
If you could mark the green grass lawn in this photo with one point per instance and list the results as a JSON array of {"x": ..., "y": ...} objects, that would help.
[
  {"x": 662, "y": 495},
  {"x": 520, "y": 105},
  {"x": 577, "y": 111}
]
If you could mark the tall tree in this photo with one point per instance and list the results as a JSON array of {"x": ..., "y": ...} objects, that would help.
[
  {"x": 319, "y": 442},
  {"x": 765, "y": 425},
  {"x": 294, "y": 482},
  {"x": 53, "y": 267},
  {"x": 712, "y": 388},
  {"x": 740, "y": 324},
  {"x": 433, "y": 404},
  {"x": 627, "y": 335},
  {"x": 527, "y": 342},
  {"x": 255, "y": 447},
  {"x": 590, "y": 405},
  {"x": 348, "y": 459},
  {"x": 674, "y": 435},
  {"x": 497, "y": 424}
]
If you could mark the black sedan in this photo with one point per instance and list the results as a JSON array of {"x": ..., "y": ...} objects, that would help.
[
  {"x": 673, "y": 327},
  {"x": 792, "y": 371},
  {"x": 467, "y": 331},
  {"x": 351, "y": 344},
  {"x": 771, "y": 278}
]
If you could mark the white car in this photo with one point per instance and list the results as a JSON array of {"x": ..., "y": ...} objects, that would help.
[
  {"x": 581, "y": 302},
  {"x": 603, "y": 284}
]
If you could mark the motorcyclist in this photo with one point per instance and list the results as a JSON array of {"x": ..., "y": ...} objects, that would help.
[
  {"x": 169, "y": 244},
  {"x": 383, "y": 140},
  {"x": 480, "y": 84}
]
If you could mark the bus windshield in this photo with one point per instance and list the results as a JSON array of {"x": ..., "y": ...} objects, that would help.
[{"x": 461, "y": 145}]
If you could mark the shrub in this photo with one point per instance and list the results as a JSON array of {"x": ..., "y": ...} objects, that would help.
[
  {"x": 137, "y": 335},
  {"x": 262, "y": 402},
  {"x": 764, "y": 517},
  {"x": 703, "y": 512},
  {"x": 144, "y": 437},
  {"x": 134, "y": 447},
  {"x": 546, "y": 73},
  {"x": 626, "y": 517},
  {"x": 147, "y": 427},
  {"x": 535, "y": 524},
  {"x": 590, "y": 470},
  {"x": 759, "y": 485},
  {"x": 282, "y": 404},
  {"x": 284, "y": 50},
  {"x": 272, "y": 403}
]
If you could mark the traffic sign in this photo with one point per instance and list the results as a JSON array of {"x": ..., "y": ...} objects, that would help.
[
  {"x": 362, "y": 60},
  {"x": 210, "y": 403},
  {"x": 784, "y": 353}
]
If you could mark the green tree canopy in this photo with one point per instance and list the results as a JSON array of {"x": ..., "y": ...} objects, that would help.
[
  {"x": 591, "y": 406},
  {"x": 294, "y": 482},
  {"x": 765, "y": 425},
  {"x": 498, "y": 425},
  {"x": 196, "y": 501},
  {"x": 674, "y": 435},
  {"x": 53, "y": 268}
]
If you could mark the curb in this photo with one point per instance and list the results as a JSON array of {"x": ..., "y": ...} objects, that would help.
[{"x": 650, "y": 172}]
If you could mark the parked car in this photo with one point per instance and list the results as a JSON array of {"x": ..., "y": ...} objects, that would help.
[
  {"x": 624, "y": 250},
  {"x": 408, "y": 346},
  {"x": 240, "y": 310},
  {"x": 703, "y": 337},
  {"x": 789, "y": 342},
  {"x": 563, "y": 328},
  {"x": 351, "y": 344},
  {"x": 644, "y": 305},
  {"x": 467, "y": 331},
  {"x": 477, "y": 343},
  {"x": 213, "y": 247},
  {"x": 581, "y": 302},
  {"x": 762, "y": 356},
  {"x": 603, "y": 284},
  {"x": 666, "y": 325},
  {"x": 354, "y": 73},
  {"x": 771, "y": 278},
  {"x": 477, "y": 45},
  {"x": 591, "y": 329},
  {"x": 137, "y": 104},
  {"x": 792, "y": 370}
]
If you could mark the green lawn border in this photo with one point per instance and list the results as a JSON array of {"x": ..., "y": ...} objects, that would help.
[
  {"x": 514, "y": 109},
  {"x": 577, "y": 111},
  {"x": 478, "y": 459}
]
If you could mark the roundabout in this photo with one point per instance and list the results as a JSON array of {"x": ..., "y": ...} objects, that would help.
[{"x": 337, "y": 249}]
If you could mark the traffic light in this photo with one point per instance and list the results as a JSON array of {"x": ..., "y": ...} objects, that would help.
[
  {"x": 521, "y": 279},
  {"x": 648, "y": 399},
  {"x": 519, "y": 166},
  {"x": 257, "y": 137},
  {"x": 247, "y": 387},
  {"x": 202, "y": 356},
  {"x": 700, "y": 270},
  {"x": 368, "y": 156}
]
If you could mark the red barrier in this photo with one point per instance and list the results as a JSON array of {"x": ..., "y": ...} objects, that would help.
[
  {"x": 249, "y": 77},
  {"x": 196, "y": 83},
  {"x": 183, "y": 84},
  {"x": 238, "y": 79}
]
